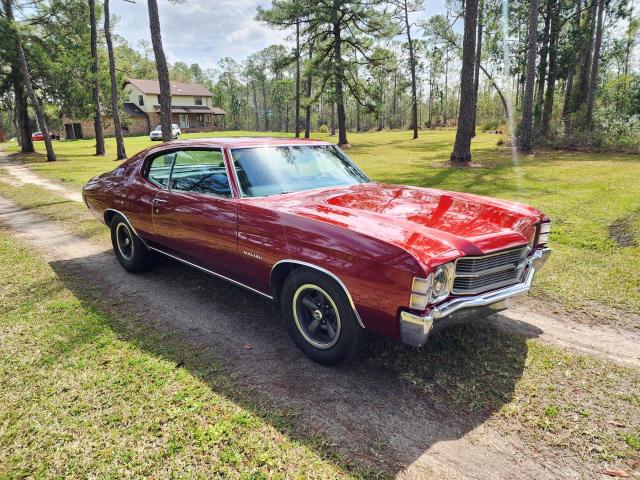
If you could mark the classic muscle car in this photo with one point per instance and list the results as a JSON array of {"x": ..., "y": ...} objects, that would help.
[{"x": 298, "y": 222}]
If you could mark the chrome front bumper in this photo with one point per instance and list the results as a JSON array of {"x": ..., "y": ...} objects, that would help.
[{"x": 415, "y": 329}]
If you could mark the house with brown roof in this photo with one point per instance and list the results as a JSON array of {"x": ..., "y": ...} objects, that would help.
[
  {"x": 191, "y": 108},
  {"x": 191, "y": 104}
]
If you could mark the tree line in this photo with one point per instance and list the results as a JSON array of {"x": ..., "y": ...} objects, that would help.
[{"x": 549, "y": 70}]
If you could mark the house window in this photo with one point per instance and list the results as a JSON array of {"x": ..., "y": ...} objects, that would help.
[
  {"x": 140, "y": 100},
  {"x": 159, "y": 102},
  {"x": 197, "y": 100}
]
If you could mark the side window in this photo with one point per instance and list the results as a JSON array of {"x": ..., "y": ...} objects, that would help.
[
  {"x": 140, "y": 100},
  {"x": 200, "y": 171},
  {"x": 160, "y": 169}
]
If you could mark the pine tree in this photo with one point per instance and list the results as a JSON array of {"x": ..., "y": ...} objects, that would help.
[
  {"x": 115, "y": 114},
  {"x": 526, "y": 127},
  {"x": 163, "y": 71},
  {"x": 95, "y": 87},
  {"x": 461, "y": 154}
]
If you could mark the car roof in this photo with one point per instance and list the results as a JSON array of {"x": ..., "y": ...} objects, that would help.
[{"x": 237, "y": 142}]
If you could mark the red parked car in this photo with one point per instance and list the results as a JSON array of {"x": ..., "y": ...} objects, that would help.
[
  {"x": 297, "y": 221},
  {"x": 37, "y": 137}
]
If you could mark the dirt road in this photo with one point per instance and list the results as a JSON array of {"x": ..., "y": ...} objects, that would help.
[{"x": 18, "y": 174}]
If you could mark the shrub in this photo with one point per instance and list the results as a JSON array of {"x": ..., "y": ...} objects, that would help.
[
  {"x": 618, "y": 130},
  {"x": 490, "y": 125},
  {"x": 323, "y": 129},
  {"x": 612, "y": 130}
]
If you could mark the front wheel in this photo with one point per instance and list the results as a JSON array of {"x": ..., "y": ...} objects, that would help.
[
  {"x": 132, "y": 254},
  {"x": 320, "y": 318}
]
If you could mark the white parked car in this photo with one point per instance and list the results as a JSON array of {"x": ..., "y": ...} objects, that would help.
[{"x": 157, "y": 133}]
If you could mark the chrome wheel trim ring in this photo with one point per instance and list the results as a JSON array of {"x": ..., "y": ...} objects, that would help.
[
  {"x": 301, "y": 328},
  {"x": 124, "y": 241}
]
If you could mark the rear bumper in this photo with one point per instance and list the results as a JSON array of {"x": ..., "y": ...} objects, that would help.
[{"x": 415, "y": 329}]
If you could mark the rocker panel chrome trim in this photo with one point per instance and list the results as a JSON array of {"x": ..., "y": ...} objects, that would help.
[{"x": 211, "y": 272}]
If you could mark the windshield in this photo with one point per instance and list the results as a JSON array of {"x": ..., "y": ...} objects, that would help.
[{"x": 267, "y": 171}]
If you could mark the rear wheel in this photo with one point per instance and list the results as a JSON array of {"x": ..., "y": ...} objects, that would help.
[
  {"x": 132, "y": 254},
  {"x": 320, "y": 318}
]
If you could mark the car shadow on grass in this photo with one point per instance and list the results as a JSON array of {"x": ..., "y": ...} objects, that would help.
[{"x": 381, "y": 413}]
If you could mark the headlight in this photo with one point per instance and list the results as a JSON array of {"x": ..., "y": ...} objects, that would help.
[
  {"x": 442, "y": 280},
  {"x": 420, "y": 292},
  {"x": 433, "y": 288},
  {"x": 543, "y": 236}
]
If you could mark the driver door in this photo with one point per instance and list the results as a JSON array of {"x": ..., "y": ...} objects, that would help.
[{"x": 195, "y": 219}]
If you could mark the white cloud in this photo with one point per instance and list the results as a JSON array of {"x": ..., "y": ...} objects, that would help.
[{"x": 199, "y": 31}]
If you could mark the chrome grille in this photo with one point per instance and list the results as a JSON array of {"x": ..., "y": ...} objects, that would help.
[{"x": 488, "y": 272}]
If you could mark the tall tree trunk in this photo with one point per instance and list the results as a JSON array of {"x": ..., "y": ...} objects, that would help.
[
  {"x": 394, "y": 100},
  {"x": 542, "y": 69},
  {"x": 580, "y": 90},
  {"x": 593, "y": 82},
  {"x": 339, "y": 75},
  {"x": 115, "y": 114},
  {"x": 547, "y": 113},
  {"x": 629, "y": 42},
  {"x": 412, "y": 63},
  {"x": 163, "y": 71},
  {"x": 26, "y": 80},
  {"x": 307, "y": 120},
  {"x": 286, "y": 119},
  {"x": 297, "y": 115},
  {"x": 527, "y": 101},
  {"x": 462, "y": 148},
  {"x": 332, "y": 123},
  {"x": 430, "y": 104},
  {"x": 503, "y": 100},
  {"x": 476, "y": 73},
  {"x": 95, "y": 89},
  {"x": 22, "y": 118},
  {"x": 265, "y": 109},
  {"x": 255, "y": 106},
  {"x": 568, "y": 90},
  {"x": 444, "y": 103}
]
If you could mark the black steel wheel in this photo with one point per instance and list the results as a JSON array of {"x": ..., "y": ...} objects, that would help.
[
  {"x": 320, "y": 317},
  {"x": 316, "y": 316},
  {"x": 132, "y": 254}
]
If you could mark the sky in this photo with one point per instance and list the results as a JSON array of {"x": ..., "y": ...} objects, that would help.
[{"x": 205, "y": 31}]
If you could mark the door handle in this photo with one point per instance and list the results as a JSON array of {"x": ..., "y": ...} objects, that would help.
[{"x": 161, "y": 200}]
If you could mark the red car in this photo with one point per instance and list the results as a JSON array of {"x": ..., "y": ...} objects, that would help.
[
  {"x": 298, "y": 222},
  {"x": 39, "y": 136}
]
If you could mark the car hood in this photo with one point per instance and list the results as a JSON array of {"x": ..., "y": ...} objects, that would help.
[{"x": 435, "y": 226}]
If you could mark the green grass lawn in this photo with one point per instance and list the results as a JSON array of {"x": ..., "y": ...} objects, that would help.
[
  {"x": 592, "y": 199},
  {"x": 84, "y": 395}
]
